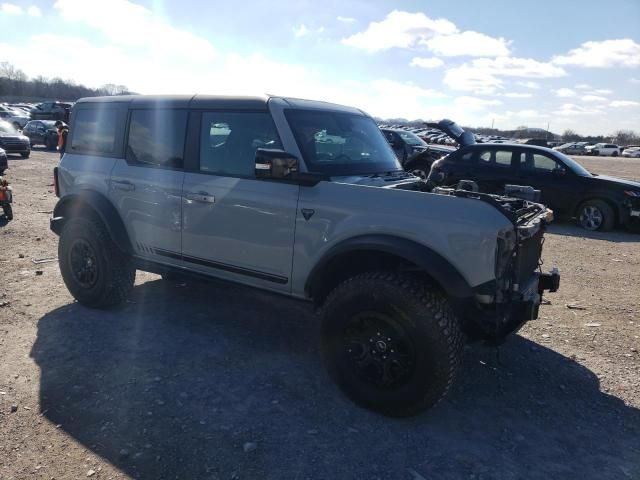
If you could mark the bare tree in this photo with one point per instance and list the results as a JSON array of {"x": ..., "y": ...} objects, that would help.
[
  {"x": 625, "y": 137},
  {"x": 7, "y": 70}
]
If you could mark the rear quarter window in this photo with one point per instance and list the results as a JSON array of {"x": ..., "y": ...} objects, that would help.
[{"x": 94, "y": 130}]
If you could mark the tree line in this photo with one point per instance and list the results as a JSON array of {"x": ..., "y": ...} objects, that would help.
[{"x": 15, "y": 86}]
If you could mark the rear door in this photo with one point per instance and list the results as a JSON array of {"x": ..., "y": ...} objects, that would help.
[
  {"x": 146, "y": 185},
  {"x": 237, "y": 227},
  {"x": 494, "y": 169}
]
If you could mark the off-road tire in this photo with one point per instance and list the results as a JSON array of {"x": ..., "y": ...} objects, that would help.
[
  {"x": 115, "y": 271},
  {"x": 423, "y": 311},
  {"x": 607, "y": 212},
  {"x": 25, "y": 154},
  {"x": 614, "y": 154},
  {"x": 8, "y": 212}
]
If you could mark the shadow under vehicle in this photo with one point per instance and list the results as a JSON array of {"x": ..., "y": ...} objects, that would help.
[{"x": 185, "y": 377}]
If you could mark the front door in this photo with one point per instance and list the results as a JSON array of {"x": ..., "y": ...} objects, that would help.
[
  {"x": 146, "y": 186},
  {"x": 551, "y": 177},
  {"x": 235, "y": 226}
]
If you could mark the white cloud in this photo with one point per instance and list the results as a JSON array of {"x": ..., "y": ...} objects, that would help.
[
  {"x": 34, "y": 11},
  {"x": 602, "y": 91},
  {"x": 624, "y": 103},
  {"x": 346, "y": 19},
  {"x": 634, "y": 80},
  {"x": 467, "y": 78},
  {"x": 565, "y": 92},
  {"x": 469, "y": 43},
  {"x": 11, "y": 9},
  {"x": 481, "y": 75},
  {"x": 570, "y": 109},
  {"x": 422, "y": 62},
  {"x": 474, "y": 103},
  {"x": 531, "y": 85},
  {"x": 518, "y": 95},
  {"x": 608, "y": 53},
  {"x": 415, "y": 30},
  {"x": 593, "y": 98},
  {"x": 399, "y": 29},
  {"x": 300, "y": 31},
  {"x": 583, "y": 86},
  {"x": 135, "y": 27}
]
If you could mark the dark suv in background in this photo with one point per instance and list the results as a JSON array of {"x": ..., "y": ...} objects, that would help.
[
  {"x": 51, "y": 111},
  {"x": 42, "y": 132}
]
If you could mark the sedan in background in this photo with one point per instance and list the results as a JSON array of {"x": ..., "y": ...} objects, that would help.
[
  {"x": 12, "y": 141},
  {"x": 631, "y": 152},
  {"x": 598, "y": 202},
  {"x": 571, "y": 149}
]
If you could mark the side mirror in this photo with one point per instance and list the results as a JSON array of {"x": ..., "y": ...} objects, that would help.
[
  {"x": 558, "y": 172},
  {"x": 275, "y": 164}
]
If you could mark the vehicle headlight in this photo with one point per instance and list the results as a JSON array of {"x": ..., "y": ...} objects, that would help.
[{"x": 632, "y": 193}]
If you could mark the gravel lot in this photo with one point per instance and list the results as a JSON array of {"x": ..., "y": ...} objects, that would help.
[{"x": 217, "y": 382}]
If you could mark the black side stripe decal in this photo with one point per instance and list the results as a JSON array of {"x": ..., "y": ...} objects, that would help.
[{"x": 222, "y": 266}]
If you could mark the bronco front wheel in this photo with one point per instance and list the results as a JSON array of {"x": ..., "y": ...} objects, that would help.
[{"x": 391, "y": 342}]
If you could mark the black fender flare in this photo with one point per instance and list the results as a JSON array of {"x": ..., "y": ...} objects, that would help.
[
  {"x": 432, "y": 263},
  {"x": 90, "y": 201}
]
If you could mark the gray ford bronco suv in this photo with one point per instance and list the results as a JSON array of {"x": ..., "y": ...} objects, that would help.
[{"x": 306, "y": 199}]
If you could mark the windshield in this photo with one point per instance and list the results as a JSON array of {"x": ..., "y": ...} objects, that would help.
[
  {"x": 336, "y": 143},
  {"x": 6, "y": 127},
  {"x": 411, "y": 138},
  {"x": 572, "y": 165}
]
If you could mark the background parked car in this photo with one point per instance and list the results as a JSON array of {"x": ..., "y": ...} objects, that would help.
[
  {"x": 415, "y": 155},
  {"x": 598, "y": 202},
  {"x": 605, "y": 149},
  {"x": 42, "y": 132},
  {"x": 15, "y": 117},
  {"x": 51, "y": 111},
  {"x": 4, "y": 163},
  {"x": 571, "y": 149},
  {"x": 631, "y": 152},
  {"x": 12, "y": 141}
]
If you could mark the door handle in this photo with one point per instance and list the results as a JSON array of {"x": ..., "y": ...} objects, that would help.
[
  {"x": 202, "y": 197},
  {"x": 123, "y": 185}
]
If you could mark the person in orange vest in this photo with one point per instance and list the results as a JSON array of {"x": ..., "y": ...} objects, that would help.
[{"x": 63, "y": 131}]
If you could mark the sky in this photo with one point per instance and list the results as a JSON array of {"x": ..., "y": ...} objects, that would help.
[{"x": 569, "y": 64}]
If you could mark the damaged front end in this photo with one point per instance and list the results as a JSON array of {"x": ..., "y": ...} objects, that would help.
[{"x": 504, "y": 304}]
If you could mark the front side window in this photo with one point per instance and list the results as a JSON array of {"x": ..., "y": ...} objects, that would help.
[
  {"x": 337, "y": 143},
  {"x": 536, "y": 161},
  {"x": 229, "y": 140},
  {"x": 156, "y": 137},
  {"x": 94, "y": 130}
]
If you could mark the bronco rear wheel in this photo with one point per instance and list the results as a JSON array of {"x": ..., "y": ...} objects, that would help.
[
  {"x": 94, "y": 270},
  {"x": 391, "y": 342}
]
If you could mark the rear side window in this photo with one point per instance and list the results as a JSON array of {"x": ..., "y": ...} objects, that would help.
[
  {"x": 228, "y": 141},
  {"x": 156, "y": 137},
  {"x": 498, "y": 158},
  {"x": 94, "y": 130}
]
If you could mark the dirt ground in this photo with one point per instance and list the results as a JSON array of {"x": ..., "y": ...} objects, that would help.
[{"x": 219, "y": 382}]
